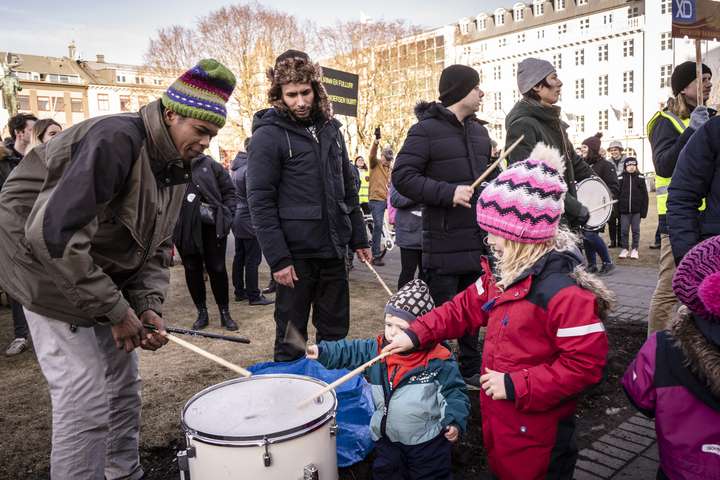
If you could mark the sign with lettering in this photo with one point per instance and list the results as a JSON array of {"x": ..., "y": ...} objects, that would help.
[
  {"x": 698, "y": 19},
  {"x": 342, "y": 90}
]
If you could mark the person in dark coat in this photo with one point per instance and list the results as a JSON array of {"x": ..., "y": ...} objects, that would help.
[
  {"x": 696, "y": 177},
  {"x": 247, "y": 249},
  {"x": 408, "y": 236},
  {"x": 201, "y": 234},
  {"x": 442, "y": 155},
  {"x": 304, "y": 205},
  {"x": 605, "y": 170},
  {"x": 537, "y": 117},
  {"x": 632, "y": 205}
]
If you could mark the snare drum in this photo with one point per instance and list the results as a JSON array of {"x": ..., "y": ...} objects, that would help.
[
  {"x": 593, "y": 193},
  {"x": 252, "y": 428}
]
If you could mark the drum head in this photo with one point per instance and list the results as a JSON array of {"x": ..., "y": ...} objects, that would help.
[
  {"x": 593, "y": 193},
  {"x": 257, "y": 407}
]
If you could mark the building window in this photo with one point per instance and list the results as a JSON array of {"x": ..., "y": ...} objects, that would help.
[
  {"x": 502, "y": 42},
  {"x": 541, "y": 34},
  {"x": 562, "y": 29},
  {"x": 23, "y": 102},
  {"x": 603, "y": 53},
  {"x": 500, "y": 18},
  {"x": 125, "y": 103},
  {"x": 584, "y": 24},
  {"x": 665, "y": 73},
  {"x": 521, "y": 38},
  {"x": 120, "y": 78},
  {"x": 665, "y": 6},
  {"x": 628, "y": 119},
  {"x": 557, "y": 61},
  {"x": 57, "y": 104},
  {"x": 514, "y": 70},
  {"x": 580, "y": 88},
  {"x": 602, "y": 85},
  {"x": 519, "y": 14},
  {"x": 580, "y": 123},
  {"x": 497, "y": 72},
  {"x": 607, "y": 19},
  {"x": 582, "y": 2},
  {"x": 539, "y": 8},
  {"x": 633, "y": 12},
  {"x": 559, "y": 5},
  {"x": 665, "y": 41},
  {"x": 603, "y": 120},
  {"x": 580, "y": 57},
  {"x": 482, "y": 23},
  {"x": 43, "y": 104},
  {"x": 76, "y": 105},
  {"x": 628, "y": 82},
  {"x": 498, "y": 101},
  {"x": 629, "y": 48},
  {"x": 103, "y": 102},
  {"x": 463, "y": 29}
]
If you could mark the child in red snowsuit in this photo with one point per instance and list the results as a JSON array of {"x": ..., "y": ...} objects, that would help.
[{"x": 545, "y": 341}]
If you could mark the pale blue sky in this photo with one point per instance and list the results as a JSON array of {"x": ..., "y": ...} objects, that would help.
[{"x": 120, "y": 30}]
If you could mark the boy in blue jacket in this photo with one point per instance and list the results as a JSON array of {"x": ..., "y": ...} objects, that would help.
[{"x": 421, "y": 405}]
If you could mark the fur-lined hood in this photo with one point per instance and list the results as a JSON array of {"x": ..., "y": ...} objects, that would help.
[
  {"x": 424, "y": 109},
  {"x": 298, "y": 70},
  {"x": 588, "y": 281},
  {"x": 703, "y": 357}
]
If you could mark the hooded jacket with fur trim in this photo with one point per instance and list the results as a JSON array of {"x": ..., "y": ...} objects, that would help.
[{"x": 439, "y": 154}]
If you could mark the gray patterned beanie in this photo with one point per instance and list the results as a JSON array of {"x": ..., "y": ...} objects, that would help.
[{"x": 411, "y": 301}]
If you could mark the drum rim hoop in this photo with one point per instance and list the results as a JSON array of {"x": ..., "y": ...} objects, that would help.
[
  {"x": 270, "y": 437},
  {"x": 596, "y": 179}
]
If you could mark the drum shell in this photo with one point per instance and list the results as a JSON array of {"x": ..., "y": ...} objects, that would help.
[{"x": 592, "y": 192}]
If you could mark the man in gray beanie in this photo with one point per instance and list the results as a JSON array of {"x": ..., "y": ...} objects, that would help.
[{"x": 537, "y": 117}]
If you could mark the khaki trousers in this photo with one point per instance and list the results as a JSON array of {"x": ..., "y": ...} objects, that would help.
[{"x": 664, "y": 302}]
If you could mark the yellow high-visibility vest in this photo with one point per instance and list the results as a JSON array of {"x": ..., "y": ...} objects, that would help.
[
  {"x": 363, "y": 194},
  {"x": 662, "y": 183}
]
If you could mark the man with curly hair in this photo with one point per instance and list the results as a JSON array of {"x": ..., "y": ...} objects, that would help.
[{"x": 304, "y": 205}]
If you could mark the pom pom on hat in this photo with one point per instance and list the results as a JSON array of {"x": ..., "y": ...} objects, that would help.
[{"x": 696, "y": 282}]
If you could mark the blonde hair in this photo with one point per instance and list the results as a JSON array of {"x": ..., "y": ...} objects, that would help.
[
  {"x": 678, "y": 106},
  {"x": 518, "y": 257}
]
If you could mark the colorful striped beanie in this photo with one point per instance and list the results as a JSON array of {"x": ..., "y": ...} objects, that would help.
[
  {"x": 696, "y": 282},
  {"x": 202, "y": 92},
  {"x": 525, "y": 202}
]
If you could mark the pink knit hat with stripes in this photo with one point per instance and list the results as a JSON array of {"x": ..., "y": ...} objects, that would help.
[{"x": 525, "y": 202}]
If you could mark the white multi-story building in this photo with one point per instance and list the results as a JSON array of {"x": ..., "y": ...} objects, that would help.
[{"x": 614, "y": 57}]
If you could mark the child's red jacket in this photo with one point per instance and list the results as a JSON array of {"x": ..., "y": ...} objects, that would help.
[{"x": 546, "y": 333}]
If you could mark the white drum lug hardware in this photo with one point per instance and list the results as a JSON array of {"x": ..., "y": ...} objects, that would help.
[
  {"x": 183, "y": 463},
  {"x": 333, "y": 429},
  {"x": 267, "y": 458},
  {"x": 311, "y": 472}
]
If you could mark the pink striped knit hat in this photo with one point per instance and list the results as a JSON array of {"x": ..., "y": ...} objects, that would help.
[{"x": 525, "y": 202}]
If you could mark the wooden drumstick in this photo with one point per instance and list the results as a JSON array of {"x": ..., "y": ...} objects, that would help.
[
  {"x": 494, "y": 165},
  {"x": 382, "y": 282},
  {"x": 343, "y": 379},
  {"x": 209, "y": 356},
  {"x": 602, "y": 206}
]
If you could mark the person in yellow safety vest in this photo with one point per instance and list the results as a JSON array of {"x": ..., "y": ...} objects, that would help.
[
  {"x": 669, "y": 130},
  {"x": 363, "y": 193}
]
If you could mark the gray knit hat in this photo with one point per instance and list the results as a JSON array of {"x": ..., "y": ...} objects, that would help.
[
  {"x": 532, "y": 71},
  {"x": 411, "y": 301},
  {"x": 615, "y": 144}
]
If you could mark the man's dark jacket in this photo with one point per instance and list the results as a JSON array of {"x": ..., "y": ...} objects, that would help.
[
  {"x": 301, "y": 190},
  {"x": 242, "y": 222},
  {"x": 439, "y": 154},
  {"x": 9, "y": 159}
]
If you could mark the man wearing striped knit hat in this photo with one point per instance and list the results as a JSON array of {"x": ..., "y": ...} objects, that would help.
[{"x": 94, "y": 211}]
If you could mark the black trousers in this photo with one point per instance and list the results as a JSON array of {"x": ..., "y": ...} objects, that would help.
[
  {"x": 211, "y": 260},
  {"x": 431, "y": 460},
  {"x": 410, "y": 262},
  {"x": 614, "y": 226},
  {"x": 19, "y": 322},
  {"x": 444, "y": 287},
  {"x": 245, "y": 267},
  {"x": 322, "y": 286}
]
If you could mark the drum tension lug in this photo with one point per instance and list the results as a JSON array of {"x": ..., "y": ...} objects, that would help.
[
  {"x": 333, "y": 429},
  {"x": 267, "y": 458},
  {"x": 311, "y": 472}
]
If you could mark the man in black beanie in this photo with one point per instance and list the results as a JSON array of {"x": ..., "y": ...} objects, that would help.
[{"x": 442, "y": 155}]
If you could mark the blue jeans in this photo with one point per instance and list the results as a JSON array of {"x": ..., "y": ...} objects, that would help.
[
  {"x": 594, "y": 244},
  {"x": 377, "y": 209}
]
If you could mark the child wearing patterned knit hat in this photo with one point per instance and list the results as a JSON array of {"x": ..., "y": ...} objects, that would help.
[
  {"x": 675, "y": 377},
  {"x": 545, "y": 341},
  {"x": 420, "y": 398}
]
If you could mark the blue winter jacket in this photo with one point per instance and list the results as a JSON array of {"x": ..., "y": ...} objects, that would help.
[{"x": 420, "y": 406}]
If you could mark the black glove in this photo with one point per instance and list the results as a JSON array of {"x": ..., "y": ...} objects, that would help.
[
  {"x": 583, "y": 216},
  {"x": 377, "y": 133}
]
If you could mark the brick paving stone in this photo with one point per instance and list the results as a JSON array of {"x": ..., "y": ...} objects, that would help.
[
  {"x": 595, "y": 468},
  {"x": 640, "y": 468},
  {"x": 614, "y": 451},
  {"x": 612, "y": 462},
  {"x": 644, "y": 431},
  {"x": 652, "y": 453},
  {"x": 616, "y": 442},
  {"x": 631, "y": 437},
  {"x": 583, "y": 475},
  {"x": 642, "y": 421}
]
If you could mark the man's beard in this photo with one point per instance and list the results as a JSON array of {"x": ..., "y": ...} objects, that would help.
[{"x": 305, "y": 121}]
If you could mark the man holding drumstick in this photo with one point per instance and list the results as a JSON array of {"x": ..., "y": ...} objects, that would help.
[{"x": 85, "y": 227}]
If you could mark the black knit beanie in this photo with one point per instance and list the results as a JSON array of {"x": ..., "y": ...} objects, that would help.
[
  {"x": 684, "y": 74},
  {"x": 456, "y": 81},
  {"x": 593, "y": 143}
]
